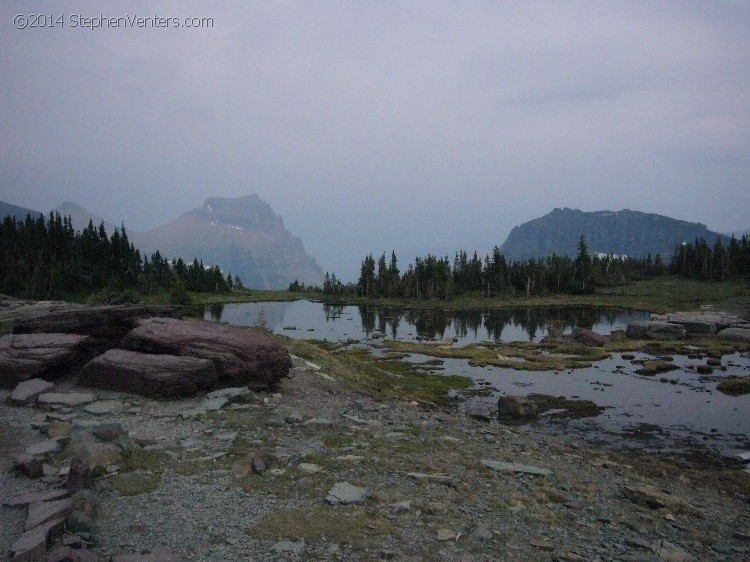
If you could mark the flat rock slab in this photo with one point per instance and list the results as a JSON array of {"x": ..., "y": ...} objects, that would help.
[
  {"x": 103, "y": 407},
  {"x": 431, "y": 477},
  {"x": 43, "y": 512},
  {"x": 344, "y": 493},
  {"x": 241, "y": 357},
  {"x": 103, "y": 323},
  {"x": 155, "y": 376},
  {"x": 233, "y": 395},
  {"x": 71, "y": 399},
  {"x": 28, "y": 391},
  {"x": 516, "y": 467},
  {"x": 43, "y": 496},
  {"x": 33, "y": 544},
  {"x": 48, "y": 447},
  {"x": 27, "y": 356}
]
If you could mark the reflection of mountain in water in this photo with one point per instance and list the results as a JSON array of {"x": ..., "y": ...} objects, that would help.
[{"x": 441, "y": 324}]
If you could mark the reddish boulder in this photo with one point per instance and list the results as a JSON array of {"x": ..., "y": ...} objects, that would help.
[
  {"x": 241, "y": 357},
  {"x": 27, "y": 356},
  {"x": 589, "y": 337},
  {"x": 515, "y": 407},
  {"x": 155, "y": 376}
]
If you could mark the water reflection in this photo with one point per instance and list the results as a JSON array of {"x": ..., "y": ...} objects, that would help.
[
  {"x": 216, "y": 310},
  {"x": 439, "y": 324}
]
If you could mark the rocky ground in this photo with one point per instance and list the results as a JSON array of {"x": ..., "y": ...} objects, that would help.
[{"x": 264, "y": 479}]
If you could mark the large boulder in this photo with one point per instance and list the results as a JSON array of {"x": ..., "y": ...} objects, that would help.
[
  {"x": 654, "y": 330},
  {"x": 588, "y": 337},
  {"x": 155, "y": 376},
  {"x": 105, "y": 324},
  {"x": 47, "y": 356},
  {"x": 241, "y": 357}
]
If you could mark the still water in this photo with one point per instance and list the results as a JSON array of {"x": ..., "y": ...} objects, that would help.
[
  {"x": 676, "y": 410},
  {"x": 310, "y": 320}
]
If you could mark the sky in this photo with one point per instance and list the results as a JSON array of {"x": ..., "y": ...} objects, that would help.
[{"x": 375, "y": 125}]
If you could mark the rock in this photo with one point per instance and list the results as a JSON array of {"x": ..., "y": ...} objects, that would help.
[
  {"x": 43, "y": 496},
  {"x": 42, "y": 512},
  {"x": 446, "y": 534},
  {"x": 289, "y": 546},
  {"x": 32, "y": 544},
  {"x": 654, "y": 330},
  {"x": 154, "y": 376},
  {"x": 100, "y": 444},
  {"x": 309, "y": 467},
  {"x": 29, "y": 465},
  {"x": 48, "y": 447},
  {"x": 298, "y": 362},
  {"x": 736, "y": 334},
  {"x": 104, "y": 325},
  {"x": 102, "y": 407},
  {"x": 58, "y": 429},
  {"x": 516, "y": 467},
  {"x": 214, "y": 404},
  {"x": 344, "y": 493},
  {"x": 234, "y": 395},
  {"x": 28, "y": 391},
  {"x": 656, "y": 499},
  {"x": 515, "y": 407},
  {"x": 482, "y": 533},
  {"x": 46, "y": 356},
  {"x": 542, "y": 544},
  {"x": 79, "y": 477},
  {"x": 401, "y": 506},
  {"x": 589, "y": 337},
  {"x": 354, "y": 419},
  {"x": 241, "y": 357},
  {"x": 70, "y": 399},
  {"x": 439, "y": 478}
]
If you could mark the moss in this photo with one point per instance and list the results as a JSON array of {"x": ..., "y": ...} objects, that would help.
[
  {"x": 135, "y": 483},
  {"x": 351, "y": 525},
  {"x": 656, "y": 366},
  {"x": 735, "y": 386}
]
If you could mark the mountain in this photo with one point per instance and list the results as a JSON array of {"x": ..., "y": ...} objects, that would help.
[
  {"x": 80, "y": 217},
  {"x": 626, "y": 232},
  {"x": 242, "y": 235},
  {"x": 7, "y": 209}
]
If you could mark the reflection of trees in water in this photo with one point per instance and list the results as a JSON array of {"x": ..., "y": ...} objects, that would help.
[
  {"x": 332, "y": 311},
  {"x": 434, "y": 323},
  {"x": 216, "y": 310}
]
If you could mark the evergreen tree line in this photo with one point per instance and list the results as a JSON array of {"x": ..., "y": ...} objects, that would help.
[
  {"x": 698, "y": 260},
  {"x": 433, "y": 277},
  {"x": 43, "y": 259}
]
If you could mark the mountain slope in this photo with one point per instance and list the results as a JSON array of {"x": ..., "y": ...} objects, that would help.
[
  {"x": 243, "y": 236},
  {"x": 80, "y": 217},
  {"x": 8, "y": 209},
  {"x": 631, "y": 233}
]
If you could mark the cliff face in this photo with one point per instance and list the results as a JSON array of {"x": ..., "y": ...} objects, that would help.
[
  {"x": 242, "y": 236},
  {"x": 631, "y": 233}
]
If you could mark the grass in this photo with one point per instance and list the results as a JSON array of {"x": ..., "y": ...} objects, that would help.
[
  {"x": 518, "y": 355},
  {"x": 352, "y": 525},
  {"x": 362, "y": 372}
]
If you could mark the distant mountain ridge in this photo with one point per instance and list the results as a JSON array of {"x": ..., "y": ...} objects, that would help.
[
  {"x": 8, "y": 209},
  {"x": 243, "y": 236},
  {"x": 626, "y": 232}
]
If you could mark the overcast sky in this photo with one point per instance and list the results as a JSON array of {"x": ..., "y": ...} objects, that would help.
[{"x": 378, "y": 125}]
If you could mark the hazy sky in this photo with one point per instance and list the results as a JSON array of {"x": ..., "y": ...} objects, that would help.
[{"x": 378, "y": 125}]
